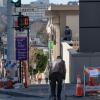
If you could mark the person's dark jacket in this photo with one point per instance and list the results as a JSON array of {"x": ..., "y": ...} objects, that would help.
[{"x": 58, "y": 66}]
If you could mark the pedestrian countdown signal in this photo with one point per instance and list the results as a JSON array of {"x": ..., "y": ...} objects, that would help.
[
  {"x": 23, "y": 21},
  {"x": 26, "y": 21}
]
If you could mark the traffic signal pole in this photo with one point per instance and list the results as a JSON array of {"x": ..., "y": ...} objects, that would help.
[
  {"x": 20, "y": 70},
  {"x": 10, "y": 33},
  {"x": 22, "y": 54},
  {"x": 28, "y": 47}
]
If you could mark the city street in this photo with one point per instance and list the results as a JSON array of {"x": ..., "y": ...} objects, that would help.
[
  {"x": 7, "y": 97},
  {"x": 46, "y": 42},
  {"x": 41, "y": 92}
]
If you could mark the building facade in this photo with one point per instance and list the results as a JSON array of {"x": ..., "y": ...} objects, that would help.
[
  {"x": 89, "y": 26},
  {"x": 59, "y": 17},
  {"x": 3, "y": 3},
  {"x": 35, "y": 10}
]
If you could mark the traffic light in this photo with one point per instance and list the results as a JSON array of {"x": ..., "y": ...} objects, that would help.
[
  {"x": 17, "y": 3},
  {"x": 22, "y": 22}
]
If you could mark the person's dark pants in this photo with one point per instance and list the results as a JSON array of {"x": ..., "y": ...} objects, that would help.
[{"x": 56, "y": 85}]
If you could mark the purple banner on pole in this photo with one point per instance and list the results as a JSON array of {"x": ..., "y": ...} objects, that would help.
[{"x": 21, "y": 48}]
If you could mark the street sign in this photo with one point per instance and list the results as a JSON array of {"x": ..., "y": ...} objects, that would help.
[
  {"x": 21, "y": 48},
  {"x": 94, "y": 73}
]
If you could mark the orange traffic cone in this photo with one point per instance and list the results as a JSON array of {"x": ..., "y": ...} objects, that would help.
[{"x": 79, "y": 88}]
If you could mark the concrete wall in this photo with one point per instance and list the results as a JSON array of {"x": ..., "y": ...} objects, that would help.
[
  {"x": 72, "y": 20},
  {"x": 78, "y": 60},
  {"x": 65, "y": 56}
]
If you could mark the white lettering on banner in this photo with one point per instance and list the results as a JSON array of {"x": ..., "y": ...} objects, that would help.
[
  {"x": 92, "y": 88},
  {"x": 93, "y": 73}
]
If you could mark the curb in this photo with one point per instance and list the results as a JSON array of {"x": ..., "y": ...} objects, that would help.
[
  {"x": 19, "y": 94},
  {"x": 29, "y": 93}
]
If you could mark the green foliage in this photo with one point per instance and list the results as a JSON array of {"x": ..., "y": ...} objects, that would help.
[
  {"x": 37, "y": 56},
  {"x": 41, "y": 62},
  {"x": 32, "y": 71},
  {"x": 35, "y": 71}
]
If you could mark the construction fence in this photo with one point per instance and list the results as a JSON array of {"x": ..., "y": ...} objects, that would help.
[{"x": 93, "y": 85}]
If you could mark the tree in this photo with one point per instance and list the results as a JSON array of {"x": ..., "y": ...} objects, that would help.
[
  {"x": 41, "y": 61},
  {"x": 37, "y": 57}
]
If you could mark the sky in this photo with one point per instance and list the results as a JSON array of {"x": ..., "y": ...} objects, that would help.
[{"x": 51, "y": 1}]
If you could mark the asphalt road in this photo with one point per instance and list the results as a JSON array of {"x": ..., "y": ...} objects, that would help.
[{"x": 7, "y": 97}]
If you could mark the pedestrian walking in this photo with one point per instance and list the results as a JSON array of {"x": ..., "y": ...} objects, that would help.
[
  {"x": 39, "y": 77},
  {"x": 56, "y": 76},
  {"x": 46, "y": 73}
]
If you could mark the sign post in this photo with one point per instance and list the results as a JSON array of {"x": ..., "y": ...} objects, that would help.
[
  {"x": 21, "y": 51},
  {"x": 22, "y": 42}
]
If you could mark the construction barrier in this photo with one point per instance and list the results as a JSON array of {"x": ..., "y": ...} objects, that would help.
[
  {"x": 25, "y": 74},
  {"x": 92, "y": 86}
]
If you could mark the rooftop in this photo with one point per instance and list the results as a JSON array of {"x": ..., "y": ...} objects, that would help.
[
  {"x": 52, "y": 9},
  {"x": 63, "y": 7}
]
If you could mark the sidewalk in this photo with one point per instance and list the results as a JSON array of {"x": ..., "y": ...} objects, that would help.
[
  {"x": 42, "y": 92},
  {"x": 31, "y": 91},
  {"x": 39, "y": 91}
]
